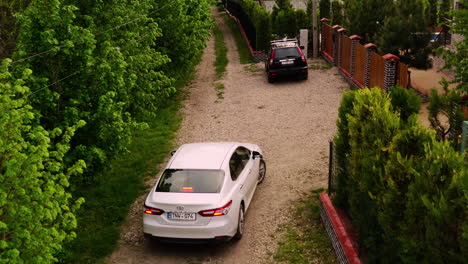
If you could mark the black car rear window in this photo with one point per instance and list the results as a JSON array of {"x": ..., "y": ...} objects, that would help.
[
  {"x": 286, "y": 52},
  {"x": 191, "y": 181}
]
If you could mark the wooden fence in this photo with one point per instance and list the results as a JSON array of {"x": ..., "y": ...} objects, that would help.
[{"x": 361, "y": 65}]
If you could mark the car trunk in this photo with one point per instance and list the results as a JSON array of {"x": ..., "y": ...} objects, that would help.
[{"x": 182, "y": 208}]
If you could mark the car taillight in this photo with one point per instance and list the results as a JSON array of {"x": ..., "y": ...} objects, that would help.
[
  {"x": 218, "y": 211},
  {"x": 153, "y": 211},
  {"x": 302, "y": 55},
  {"x": 272, "y": 56}
]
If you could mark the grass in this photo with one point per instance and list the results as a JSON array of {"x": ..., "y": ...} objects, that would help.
[
  {"x": 305, "y": 239},
  {"x": 221, "y": 60},
  {"x": 319, "y": 64},
  {"x": 219, "y": 87},
  {"x": 242, "y": 48}
]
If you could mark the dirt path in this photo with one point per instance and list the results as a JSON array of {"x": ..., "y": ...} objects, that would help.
[{"x": 291, "y": 120}]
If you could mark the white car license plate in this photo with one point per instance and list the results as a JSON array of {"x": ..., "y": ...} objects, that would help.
[
  {"x": 181, "y": 216},
  {"x": 287, "y": 62}
]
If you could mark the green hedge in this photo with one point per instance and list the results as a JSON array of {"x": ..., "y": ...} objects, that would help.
[
  {"x": 261, "y": 20},
  {"x": 404, "y": 190}
]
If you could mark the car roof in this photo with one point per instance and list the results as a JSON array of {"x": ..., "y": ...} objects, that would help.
[{"x": 207, "y": 155}]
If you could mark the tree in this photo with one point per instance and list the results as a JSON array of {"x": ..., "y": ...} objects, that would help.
[
  {"x": 337, "y": 13},
  {"x": 36, "y": 207},
  {"x": 97, "y": 64},
  {"x": 325, "y": 8},
  {"x": 446, "y": 106},
  {"x": 8, "y": 26},
  {"x": 366, "y": 17},
  {"x": 404, "y": 34},
  {"x": 456, "y": 59},
  {"x": 431, "y": 12},
  {"x": 444, "y": 10}
]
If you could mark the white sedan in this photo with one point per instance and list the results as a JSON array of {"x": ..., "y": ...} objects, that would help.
[{"x": 204, "y": 192}]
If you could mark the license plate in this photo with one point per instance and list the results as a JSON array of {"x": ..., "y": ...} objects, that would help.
[
  {"x": 181, "y": 216},
  {"x": 287, "y": 62}
]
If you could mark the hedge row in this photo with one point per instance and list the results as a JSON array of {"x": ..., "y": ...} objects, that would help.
[
  {"x": 282, "y": 22},
  {"x": 404, "y": 190}
]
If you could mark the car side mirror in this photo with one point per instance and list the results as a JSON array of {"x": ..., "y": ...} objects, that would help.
[
  {"x": 173, "y": 152},
  {"x": 302, "y": 47},
  {"x": 257, "y": 155}
]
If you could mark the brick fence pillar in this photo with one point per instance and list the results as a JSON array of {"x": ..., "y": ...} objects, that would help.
[
  {"x": 390, "y": 73},
  {"x": 354, "y": 39},
  {"x": 324, "y": 22},
  {"x": 341, "y": 32},
  {"x": 335, "y": 43},
  {"x": 369, "y": 49}
]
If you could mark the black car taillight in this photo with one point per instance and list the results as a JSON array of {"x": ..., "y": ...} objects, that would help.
[{"x": 153, "y": 211}]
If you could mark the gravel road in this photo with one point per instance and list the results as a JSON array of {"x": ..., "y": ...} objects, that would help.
[{"x": 291, "y": 120}]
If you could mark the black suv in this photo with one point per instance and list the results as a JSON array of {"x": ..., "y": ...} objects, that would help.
[{"x": 285, "y": 59}]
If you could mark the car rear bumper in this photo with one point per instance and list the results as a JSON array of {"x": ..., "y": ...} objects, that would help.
[
  {"x": 217, "y": 228},
  {"x": 288, "y": 71}
]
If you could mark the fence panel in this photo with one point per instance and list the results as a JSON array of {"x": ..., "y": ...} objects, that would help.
[
  {"x": 328, "y": 40},
  {"x": 346, "y": 54},
  {"x": 377, "y": 68},
  {"x": 360, "y": 63},
  {"x": 402, "y": 79}
]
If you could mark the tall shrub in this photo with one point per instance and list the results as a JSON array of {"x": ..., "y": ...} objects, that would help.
[
  {"x": 261, "y": 20},
  {"x": 36, "y": 208},
  {"x": 406, "y": 191},
  {"x": 325, "y": 9}
]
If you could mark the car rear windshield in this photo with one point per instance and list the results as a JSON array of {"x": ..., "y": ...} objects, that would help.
[
  {"x": 191, "y": 181},
  {"x": 286, "y": 52}
]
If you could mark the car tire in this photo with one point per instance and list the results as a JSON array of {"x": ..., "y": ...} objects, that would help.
[
  {"x": 305, "y": 77},
  {"x": 270, "y": 79},
  {"x": 261, "y": 171},
  {"x": 240, "y": 224}
]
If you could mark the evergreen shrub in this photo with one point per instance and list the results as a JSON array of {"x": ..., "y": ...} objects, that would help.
[{"x": 405, "y": 191}]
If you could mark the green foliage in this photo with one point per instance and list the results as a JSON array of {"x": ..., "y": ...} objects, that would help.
[
  {"x": 445, "y": 114},
  {"x": 444, "y": 10},
  {"x": 366, "y": 17},
  {"x": 283, "y": 5},
  {"x": 325, "y": 9},
  {"x": 8, "y": 26},
  {"x": 456, "y": 59},
  {"x": 343, "y": 149},
  {"x": 286, "y": 22},
  {"x": 36, "y": 208},
  {"x": 261, "y": 20},
  {"x": 431, "y": 12},
  {"x": 337, "y": 13},
  {"x": 406, "y": 191},
  {"x": 185, "y": 26},
  {"x": 109, "y": 63},
  {"x": 405, "y": 101},
  {"x": 404, "y": 34}
]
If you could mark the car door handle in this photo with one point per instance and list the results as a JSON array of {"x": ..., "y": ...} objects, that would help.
[{"x": 241, "y": 186}]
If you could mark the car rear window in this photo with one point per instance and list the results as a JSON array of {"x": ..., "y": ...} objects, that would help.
[
  {"x": 286, "y": 52},
  {"x": 191, "y": 181}
]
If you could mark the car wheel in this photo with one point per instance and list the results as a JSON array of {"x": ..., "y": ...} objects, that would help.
[
  {"x": 305, "y": 77},
  {"x": 270, "y": 78},
  {"x": 241, "y": 224},
  {"x": 261, "y": 171}
]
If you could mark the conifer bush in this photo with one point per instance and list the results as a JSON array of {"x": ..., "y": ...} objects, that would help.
[{"x": 405, "y": 190}]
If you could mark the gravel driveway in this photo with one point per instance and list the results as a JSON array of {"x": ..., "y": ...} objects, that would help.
[{"x": 291, "y": 120}]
